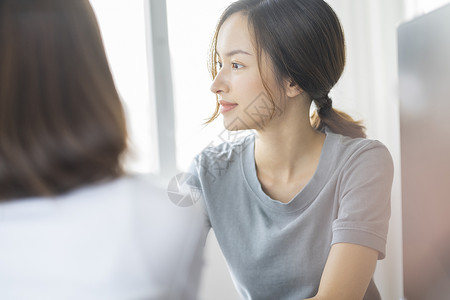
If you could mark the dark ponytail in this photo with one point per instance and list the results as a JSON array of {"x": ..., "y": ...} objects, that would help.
[
  {"x": 337, "y": 121},
  {"x": 305, "y": 41}
]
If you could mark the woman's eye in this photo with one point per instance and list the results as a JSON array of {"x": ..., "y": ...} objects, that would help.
[
  {"x": 236, "y": 66},
  {"x": 218, "y": 65}
]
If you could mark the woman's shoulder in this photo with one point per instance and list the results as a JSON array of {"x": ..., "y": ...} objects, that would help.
[
  {"x": 153, "y": 194},
  {"x": 353, "y": 146},
  {"x": 347, "y": 150},
  {"x": 133, "y": 213},
  {"x": 128, "y": 186},
  {"x": 145, "y": 193}
]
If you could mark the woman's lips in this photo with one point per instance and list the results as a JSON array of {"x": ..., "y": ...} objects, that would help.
[{"x": 226, "y": 106}]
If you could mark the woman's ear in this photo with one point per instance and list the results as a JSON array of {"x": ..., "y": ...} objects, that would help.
[{"x": 292, "y": 88}]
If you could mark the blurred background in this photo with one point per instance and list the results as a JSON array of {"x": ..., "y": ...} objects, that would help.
[{"x": 158, "y": 51}]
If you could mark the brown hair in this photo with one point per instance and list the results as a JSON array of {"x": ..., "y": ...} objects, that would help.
[
  {"x": 305, "y": 42},
  {"x": 62, "y": 124}
]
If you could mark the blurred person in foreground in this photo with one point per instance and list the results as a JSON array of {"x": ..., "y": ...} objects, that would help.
[{"x": 73, "y": 224}]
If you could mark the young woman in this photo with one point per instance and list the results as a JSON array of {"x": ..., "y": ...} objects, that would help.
[
  {"x": 301, "y": 208},
  {"x": 72, "y": 224}
]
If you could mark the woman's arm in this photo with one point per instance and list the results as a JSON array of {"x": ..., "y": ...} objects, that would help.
[{"x": 347, "y": 272}]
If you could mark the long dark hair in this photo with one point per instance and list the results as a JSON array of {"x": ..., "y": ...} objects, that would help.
[
  {"x": 305, "y": 42},
  {"x": 62, "y": 124}
]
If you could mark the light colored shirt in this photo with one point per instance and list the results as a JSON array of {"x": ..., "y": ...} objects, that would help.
[
  {"x": 278, "y": 250},
  {"x": 117, "y": 240}
]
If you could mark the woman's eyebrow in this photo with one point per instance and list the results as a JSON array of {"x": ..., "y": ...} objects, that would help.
[{"x": 234, "y": 52}]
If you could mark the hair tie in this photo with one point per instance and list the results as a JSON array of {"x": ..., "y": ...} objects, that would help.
[{"x": 325, "y": 105}]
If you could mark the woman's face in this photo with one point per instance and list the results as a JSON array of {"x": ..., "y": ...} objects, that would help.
[{"x": 244, "y": 102}]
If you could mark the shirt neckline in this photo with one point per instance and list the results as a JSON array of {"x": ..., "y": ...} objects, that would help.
[{"x": 304, "y": 197}]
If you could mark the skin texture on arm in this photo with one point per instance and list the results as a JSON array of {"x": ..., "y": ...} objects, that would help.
[{"x": 347, "y": 272}]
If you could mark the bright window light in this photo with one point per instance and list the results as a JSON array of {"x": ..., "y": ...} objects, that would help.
[
  {"x": 191, "y": 26},
  {"x": 123, "y": 27},
  {"x": 414, "y": 8}
]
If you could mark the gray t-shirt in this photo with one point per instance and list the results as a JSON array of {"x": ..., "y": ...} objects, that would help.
[{"x": 278, "y": 250}]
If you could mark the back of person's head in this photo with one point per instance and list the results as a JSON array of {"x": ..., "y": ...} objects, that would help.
[
  {"x": 62, "y": 124},
  {"x": 305, "y": 42}
]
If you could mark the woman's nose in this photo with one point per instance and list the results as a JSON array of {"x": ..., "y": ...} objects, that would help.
[{"x": 219, "y": 85}]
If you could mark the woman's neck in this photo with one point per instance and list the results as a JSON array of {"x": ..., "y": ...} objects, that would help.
[{"x": 288, "y": 146}]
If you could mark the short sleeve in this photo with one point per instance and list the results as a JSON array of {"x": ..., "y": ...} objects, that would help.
[
  {"x": 197, "y": 190},
  {"x": 364, "y": 191}
]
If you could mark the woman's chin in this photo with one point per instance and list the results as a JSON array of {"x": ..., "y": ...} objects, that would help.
[
  {"x": 233, "y": 127},
  {"x": 235, "y": 124}
]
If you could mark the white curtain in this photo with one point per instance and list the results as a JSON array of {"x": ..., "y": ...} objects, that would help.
[{"x": 368, "y": 91}]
